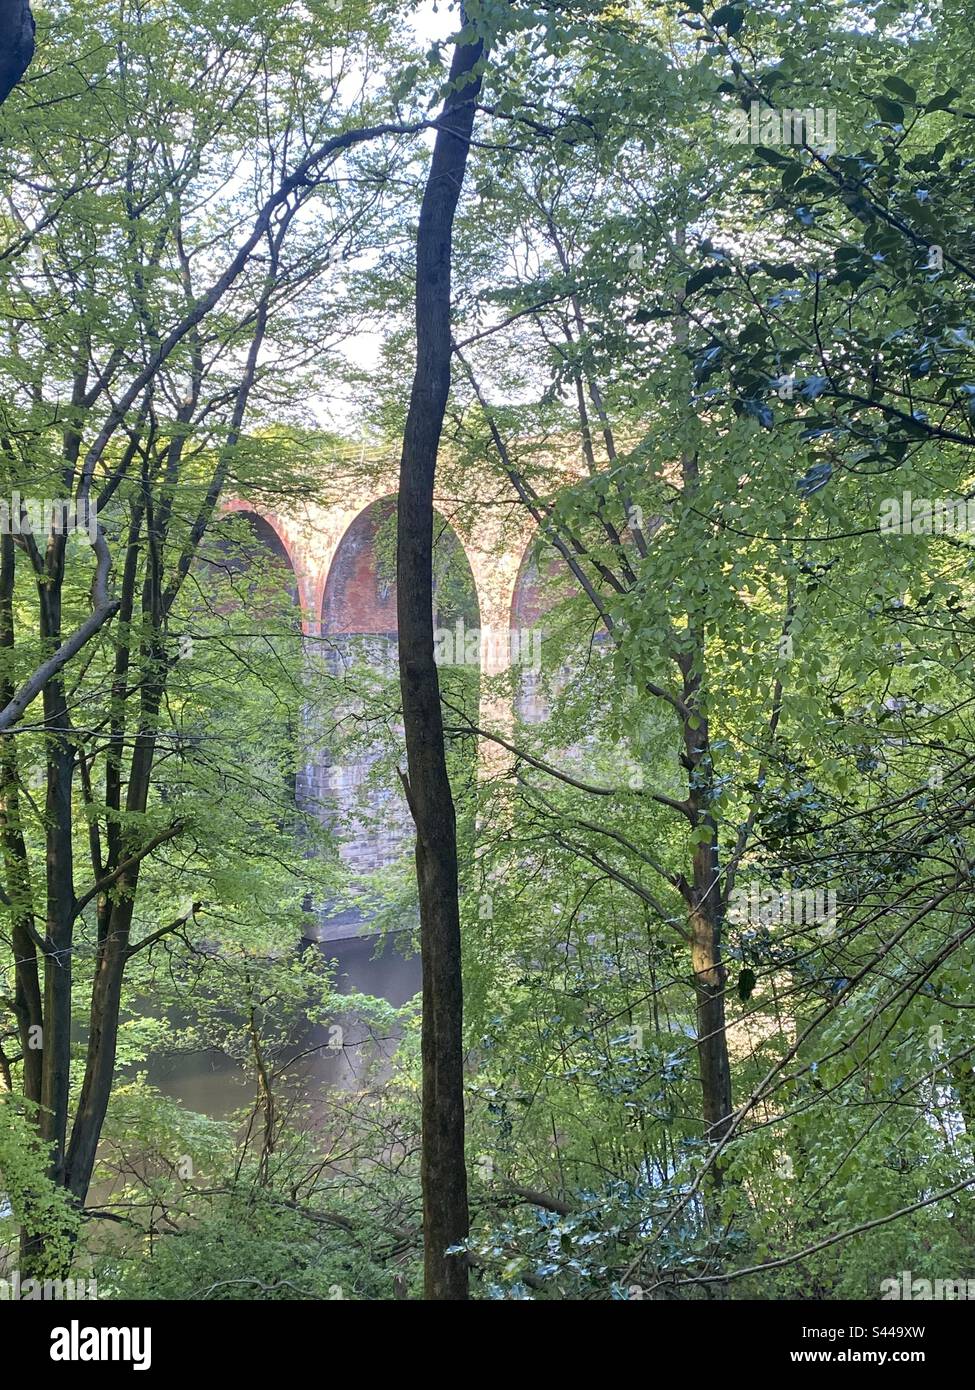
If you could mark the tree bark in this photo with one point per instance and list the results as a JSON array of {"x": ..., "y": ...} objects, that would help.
[
  {"x": 59, "y": 936},
  {"x": 705, "y": 905},
  {"x": 27, "y": 990},
  {"x": 443, "y": 1170},
  {"x": 16, "y": 44}
]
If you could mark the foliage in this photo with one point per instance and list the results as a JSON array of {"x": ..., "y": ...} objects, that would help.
[{"x": 702, "y": 371}]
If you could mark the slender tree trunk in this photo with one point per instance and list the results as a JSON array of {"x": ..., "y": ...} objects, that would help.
[
  {"x": 58, "y": 945},
  {"x": 705, "y": 923},
  {"x": 106, "y": 1000},
  {"x": 27, "y": 989},
  {"x": 443, "y": 1170},
  {"x": 115, "y": 927},
  {"x": 710, "y": 982},
  {"x": 705, "y": 908},
  {"x": 706, "y": 912},
  {"x": 28, "y": 1003}
]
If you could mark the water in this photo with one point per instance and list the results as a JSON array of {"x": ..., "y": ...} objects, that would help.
[{"x": 215, "y": 1085}]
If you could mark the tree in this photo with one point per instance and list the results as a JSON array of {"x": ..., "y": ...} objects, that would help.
[
  {"x": 443, "y": 1172},
  {"x": 691, "y": 294},
  {"x": 134, "y": 349},
  {"x": 701, "y": 545}
]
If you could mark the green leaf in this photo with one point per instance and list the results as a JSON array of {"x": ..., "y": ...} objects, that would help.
[
  {"x": 700, "y": 278},
  {"x": 890, "y": 111},
  {"x": 771, "y": 156},
  {"x": 747, "y": 981},
  {"x": 944, "y": 101},
  {"x": 901, "y": 89}
]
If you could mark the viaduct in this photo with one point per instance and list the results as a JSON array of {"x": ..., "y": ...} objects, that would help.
[{"x": 345, "y": 594}]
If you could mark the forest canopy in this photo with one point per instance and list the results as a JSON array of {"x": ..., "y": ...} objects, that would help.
[{"x": 493, "y": 484}]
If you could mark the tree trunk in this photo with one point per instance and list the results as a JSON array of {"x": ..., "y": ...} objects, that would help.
[
  {"x": 115, "y": 927},
  {"x": 59, "y": 942},
  {"x": 705, "y": 923},
  {"x": 27, "y": 989},
  {"x": 443, "y": 1171},
  {"x": 706, "y": 912}
]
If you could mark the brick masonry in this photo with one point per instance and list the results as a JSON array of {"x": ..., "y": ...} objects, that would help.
[{"x": 340, "y": 556}]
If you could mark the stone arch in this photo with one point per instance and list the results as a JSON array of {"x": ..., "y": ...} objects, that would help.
[
  {"x": 283, "y": 538},
  {"x": 362, "y": 800},
  {"x": 245, "y": 571},
  {"x": 529, "y": 601},
  {"x": 359, "y": 596},
  {"x": 267, "y": 537},
  {"x": 540, "y": 578}
]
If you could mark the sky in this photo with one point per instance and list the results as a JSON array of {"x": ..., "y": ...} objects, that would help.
[{"x": 433, "y": 19}]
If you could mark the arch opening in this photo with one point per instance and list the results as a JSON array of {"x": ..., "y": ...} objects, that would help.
[{"x": 358, "y": 788}]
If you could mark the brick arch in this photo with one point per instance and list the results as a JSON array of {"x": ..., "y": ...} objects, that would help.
[
  {"x": 271, "y": 539},
  {"x": 359, "y": 597},
  {"x": 528, "y": 603},
  {"x": 283, "y": 538},
  {"x": 359, "y": 594},
  {"x": 527, "y": 608},
  {"x": 359, "y": 627},
  {"x": 541, "y": 581}
]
